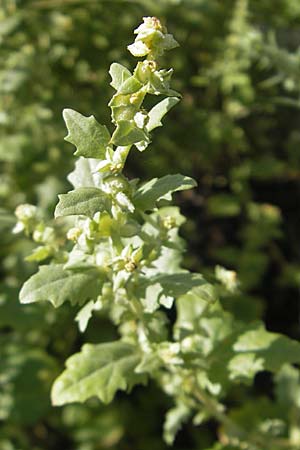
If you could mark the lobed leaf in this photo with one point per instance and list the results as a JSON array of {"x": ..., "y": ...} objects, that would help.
[
  {"x": 127, "y": 133},
  {"x": 98, "y": 370},
  {"x": 89, "y": 137},
  {"x": 57, "y": 285},
  {"x": 251, "y": 350},
  {"x": 119, "y": 74},
  {"x": 84, "y": 201}
]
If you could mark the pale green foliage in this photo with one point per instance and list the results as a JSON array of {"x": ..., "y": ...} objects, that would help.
[
  {"x": 84, "y": 201},
  {"x": 90, "y": 138},
  {"x": 57, "y": 285},
  {"x": 160, "y": 188},
  {"x": 175, "y": 417},
  {"x": 98, "y": 370},
  {"x": 125, "y": 259}
]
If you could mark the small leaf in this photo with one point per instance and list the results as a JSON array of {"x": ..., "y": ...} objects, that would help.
[
  {"x": 83, "y": 316},
  {"x": 57, "y": 285},
  {"x": 82, "y": 201},
  {"x": 159, "y": 111},
  {"x": 127, "y": 133},
  {"x": 158, "y": 188},
  {"x": 175, "y": 417},
  {"x": 98, "y": 370},
  {"x": 89, "y": 137},
  {"x": 118, "y": 74},
  {"x": 130, "y": 86}
]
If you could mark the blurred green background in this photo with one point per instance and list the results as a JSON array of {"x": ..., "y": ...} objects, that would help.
[{"x": 236, "y": 131}]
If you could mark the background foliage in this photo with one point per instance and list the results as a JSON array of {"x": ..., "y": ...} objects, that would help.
[{"x": 236, "y": 132}]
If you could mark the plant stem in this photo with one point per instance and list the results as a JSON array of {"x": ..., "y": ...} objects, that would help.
[{"x": 259, "y": 441}]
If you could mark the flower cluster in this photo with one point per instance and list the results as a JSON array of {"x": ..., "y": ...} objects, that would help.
[{"x": 152, "y": 39}]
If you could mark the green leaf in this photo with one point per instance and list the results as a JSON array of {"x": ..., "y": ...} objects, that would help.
[
  {"x": 251, "y": 350},
  {"x": 118, "y": 74},
  {"x": 122, "y": 109},
  {"x": 164, "y": 288},
  {"x": 57, "y": 285},
  {"x": 159, "y": 111},
  {"x": 82, "y": 201},
  {"x": 202, "y": 320},
  {"x": 159, "y": 188},
  {"x": 176, "y": 284},
  {"x": 84, "y": 173},
  {"x": 127, "y": 133},
  {"x": 84, "y": 315},
  {"x": 175, "y": 417},
  {"x": 89, "y": 137},
  {"x": 190, "y": 307},
  {"x": 98, "y": 370},
  {"x": 130, "y": 86}
]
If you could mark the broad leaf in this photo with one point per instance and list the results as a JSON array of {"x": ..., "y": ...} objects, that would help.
[
  {"x": 98, "y": 370},
  {"x": 251, "y": 350},
  {"x": 57, "y": 285},
  {"x": 158, "y": 188},
  {"x": 89, "y": 137},
  {"x": 159, "y": 111},
  {"x": 118, "y": 74},
  {"x": 201, "y": 324},
  {"x": 83, "y": 201},
  {"x": 127, "y": 133}
]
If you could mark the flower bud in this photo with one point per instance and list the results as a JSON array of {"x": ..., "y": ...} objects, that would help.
[{"x": 152, "y": 38}]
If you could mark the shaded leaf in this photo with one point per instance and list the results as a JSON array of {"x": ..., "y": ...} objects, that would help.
[
  {"x": 127, "y": 133},
  {"x": 158, "y": 188}
]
